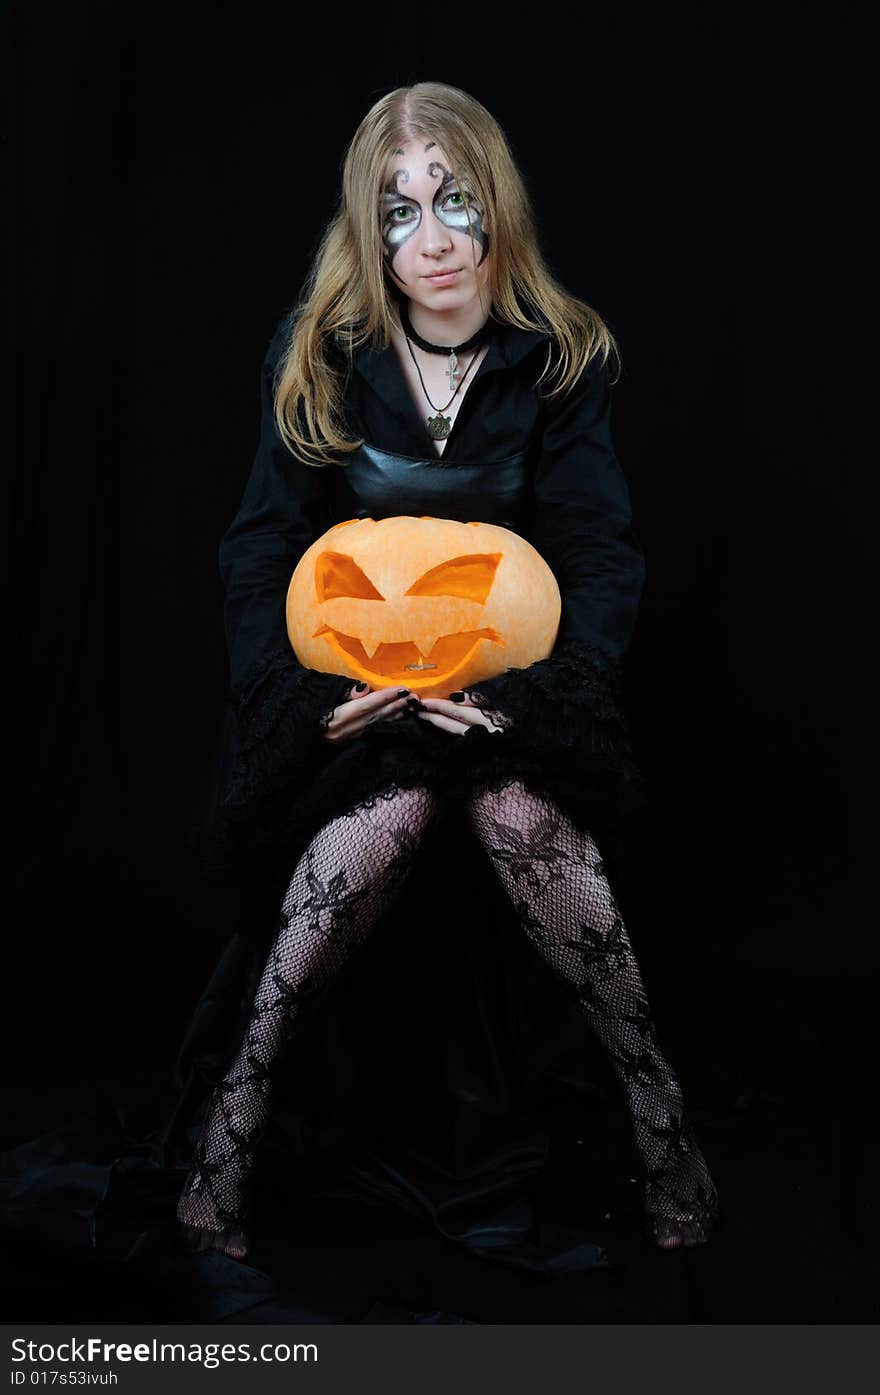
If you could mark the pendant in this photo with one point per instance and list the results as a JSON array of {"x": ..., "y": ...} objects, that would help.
[
  {"x": 439, "y": 427},
  {"x": 452, "y": 369}
]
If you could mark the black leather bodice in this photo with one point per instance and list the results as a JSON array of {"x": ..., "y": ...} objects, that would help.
[{"x": 376, "y": 484}]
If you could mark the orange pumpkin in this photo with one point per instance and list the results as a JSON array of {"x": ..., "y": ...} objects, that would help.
[{"x": 431, "y": 604}]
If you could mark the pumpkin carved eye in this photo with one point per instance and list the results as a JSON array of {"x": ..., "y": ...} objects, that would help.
[
  {"x": 468, "y": 577},
  {"x": 338, "y": 575}
]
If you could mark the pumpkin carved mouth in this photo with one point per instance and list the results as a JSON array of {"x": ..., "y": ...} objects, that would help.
[{"x": 402, "y": 662}]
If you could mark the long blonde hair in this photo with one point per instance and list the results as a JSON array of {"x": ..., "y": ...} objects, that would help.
[{"x": 345, "y": 300}]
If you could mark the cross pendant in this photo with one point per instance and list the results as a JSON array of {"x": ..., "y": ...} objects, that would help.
[{"x": 452, "y": 370}]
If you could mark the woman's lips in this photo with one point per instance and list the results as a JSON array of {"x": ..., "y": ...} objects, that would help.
[{"x": 443, "y": 278}]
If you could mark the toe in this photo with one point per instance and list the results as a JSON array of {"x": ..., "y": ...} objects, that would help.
[
  {"x": 236, "y": 1247},
  {"x": 665, "y": 1234},
  {"x": 669, "y": 1242}
]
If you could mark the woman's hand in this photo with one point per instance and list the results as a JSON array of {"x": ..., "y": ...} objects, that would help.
[
  {"x": 459, "y": 712},
  {"x": 363, "y": 706}
]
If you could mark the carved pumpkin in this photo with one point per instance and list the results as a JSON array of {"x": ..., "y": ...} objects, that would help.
[{"x": 428, "y": 603}]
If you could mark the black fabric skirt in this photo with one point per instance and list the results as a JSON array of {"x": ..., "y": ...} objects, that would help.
[
  {"x": 591, "y": 777},
  {"x": 439, "y": 1079}
]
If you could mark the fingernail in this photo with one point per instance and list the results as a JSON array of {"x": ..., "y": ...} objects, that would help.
[
  {"x": 457, "y": 697},
  {"x": 360, "y": 687},
  {"x": 413, "y": 702},
  {"x": 403, "y": 692}
]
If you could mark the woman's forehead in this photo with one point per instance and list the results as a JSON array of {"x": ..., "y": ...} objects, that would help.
[{"x": 421, "y": 157}]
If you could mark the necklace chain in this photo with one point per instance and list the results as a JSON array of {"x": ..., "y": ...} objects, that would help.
[{"x": 439, "y": 426}]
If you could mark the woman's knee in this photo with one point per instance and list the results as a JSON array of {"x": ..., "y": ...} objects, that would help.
[
  {"x": 513, "y": 806},
  {"x": 398, "y": 813},
  {"x": 524, "y": 822},
  {"x": 369, "y": 847}
]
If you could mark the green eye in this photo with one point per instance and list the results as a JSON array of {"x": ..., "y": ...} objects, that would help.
[
  {"x": 403, "y": 210},
  {"x": 457, "y": 196}
]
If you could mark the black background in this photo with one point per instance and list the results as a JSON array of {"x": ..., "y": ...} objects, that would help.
[{"x": 704, "y": 188}]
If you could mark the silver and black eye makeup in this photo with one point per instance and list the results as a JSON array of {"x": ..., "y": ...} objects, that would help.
[
  {"x": 458, "y": 207},
  {"x": 400, "y": 215}
]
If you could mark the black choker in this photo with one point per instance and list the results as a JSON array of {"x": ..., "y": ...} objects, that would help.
[{"x": 453, "y": 349}]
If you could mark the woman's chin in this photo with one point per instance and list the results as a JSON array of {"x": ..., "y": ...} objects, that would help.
[{"x": 445, "y": 299}]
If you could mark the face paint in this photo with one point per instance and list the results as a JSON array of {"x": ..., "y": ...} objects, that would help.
[
  {"x": 464, "y": 216},
  {"x": 414, "y": 242},
  {"x": 400, "y": 217}
]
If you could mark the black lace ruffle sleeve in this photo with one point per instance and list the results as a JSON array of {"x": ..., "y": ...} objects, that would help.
[
  {"x": 582, "y": 526},
  {"x": 280, "y": 708}
]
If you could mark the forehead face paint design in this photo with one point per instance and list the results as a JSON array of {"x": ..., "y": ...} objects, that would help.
[
  {"x": 464, "y": 216},
  {"x": 400, "y": 215}
]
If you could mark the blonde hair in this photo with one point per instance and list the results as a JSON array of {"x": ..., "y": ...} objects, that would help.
[{"x": 345, "y": 301}]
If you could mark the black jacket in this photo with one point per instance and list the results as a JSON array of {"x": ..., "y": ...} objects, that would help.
[{"x": 577, "y": 515}]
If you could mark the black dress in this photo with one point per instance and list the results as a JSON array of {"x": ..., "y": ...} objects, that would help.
[
  {"x": 560, "y": 486},
  {"x": 439, "y": 1073}
]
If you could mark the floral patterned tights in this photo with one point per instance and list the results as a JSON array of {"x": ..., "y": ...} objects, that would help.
[
  {"x": 554, "y": 875},
  {"x": 346, "y": 879}
]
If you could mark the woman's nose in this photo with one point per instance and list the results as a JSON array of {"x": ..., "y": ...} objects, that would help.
[{"x": 436, "y": 238}]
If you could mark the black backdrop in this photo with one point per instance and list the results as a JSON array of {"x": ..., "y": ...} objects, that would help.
[{"x": 704, "y": 189}]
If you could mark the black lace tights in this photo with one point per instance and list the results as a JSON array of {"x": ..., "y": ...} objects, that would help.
[
  {"x": 554, "y": 875},
  {"x": 342, "y": 885},
  {"x": 344, "y": 882}
]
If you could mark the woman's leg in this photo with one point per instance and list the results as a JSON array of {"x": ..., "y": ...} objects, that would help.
[
  {"x": 553, "y": 874},
  {"x": 345, "y": 880}
]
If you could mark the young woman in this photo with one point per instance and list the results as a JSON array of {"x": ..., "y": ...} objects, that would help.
[{"x": 435, "y": 367}]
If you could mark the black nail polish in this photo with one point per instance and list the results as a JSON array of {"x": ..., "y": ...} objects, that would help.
[
  {"x": 413, "y": 702},
  {"x": 403, "y": 692},
  {"x": 457, "y": 697},
  {"x": 360, "y": 687}
]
